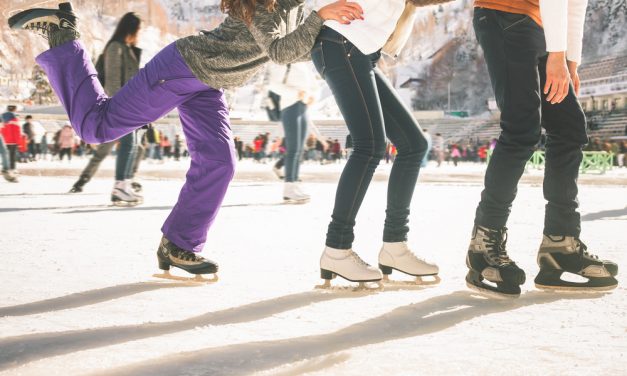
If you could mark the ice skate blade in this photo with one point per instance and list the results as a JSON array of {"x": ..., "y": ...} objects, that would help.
[
  {"x": 124, "y": 204},
  {"x": 361, "y": 287},
  {"x": 287, "y": 201},
  {"x": 419, "y": 281},
  {"x": 198, "y": 279},
  {"x": 491, "y": 294},
  {"x": 579, "y": 289}
]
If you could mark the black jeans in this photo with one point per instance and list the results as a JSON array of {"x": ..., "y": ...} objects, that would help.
[
  {"x": 371, "y": 109},
  {"x": 515, "y": 53},
  {"x": 295, "y": 120}
]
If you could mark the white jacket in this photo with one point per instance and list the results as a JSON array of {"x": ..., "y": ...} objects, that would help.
[
  {"x": 289, "y": 84},
  {"x": 369, "y": 35},
  {"x": 563, "y": 22}
]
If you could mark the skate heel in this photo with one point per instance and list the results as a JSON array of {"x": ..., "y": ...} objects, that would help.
[
  {"x": 327, "y": 274},
  {"x": 386, "y": 270},
  {"x": 164, "y": 265}
]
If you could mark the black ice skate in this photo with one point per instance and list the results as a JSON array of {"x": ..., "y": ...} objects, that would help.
[
  {"x": 488, "y": 261},
  {"x": 170, "y": 255},
  {"x": 567, "y": 254},
  {"x": 44, "y": 21}
]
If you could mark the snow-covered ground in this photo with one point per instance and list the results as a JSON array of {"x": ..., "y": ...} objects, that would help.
[{"x": 77, "y": 296}]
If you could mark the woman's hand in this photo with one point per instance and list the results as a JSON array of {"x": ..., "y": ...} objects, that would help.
[
  {"x": 574, "y": 75},
  {"x": 342, "y": 11}
]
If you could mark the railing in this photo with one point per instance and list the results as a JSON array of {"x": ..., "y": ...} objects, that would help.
[{"x": 593, "y": 161}]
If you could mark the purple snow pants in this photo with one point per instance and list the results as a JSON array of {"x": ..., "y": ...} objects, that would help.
[{"x": 163, "y": 84}]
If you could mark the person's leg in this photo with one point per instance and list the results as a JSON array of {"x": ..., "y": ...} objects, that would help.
[
  {"x": 351, "y": 78},
  {"x": 4, "y": 155},
  {"x": 139, "y": 156},
  {"x": 403, "y": 130},
  {"x": 512, "y": 45},
  {"x": 124, "y": 157},
  {"x": 97, "y": 118},
  {"x": 565, "y": 125},
  {"x": 12, "y": 156},
  {"x": 289, "y": 120},
  {"x": 205, "y": 119},
  {"x": 303, "y": 124},
  {"x": 99, "y": 154}
]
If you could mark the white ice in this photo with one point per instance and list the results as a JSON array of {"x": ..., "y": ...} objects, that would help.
[{"x": 77, "y": 297}]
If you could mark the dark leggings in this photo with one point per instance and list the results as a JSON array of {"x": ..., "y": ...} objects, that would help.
[
  {"x": 372, "y": 109},
  {"x": 12, "y": 156},
  {"x": 65, "y": 151}
]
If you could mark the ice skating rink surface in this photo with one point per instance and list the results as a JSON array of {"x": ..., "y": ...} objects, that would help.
[{"x": 77, "y": 296}]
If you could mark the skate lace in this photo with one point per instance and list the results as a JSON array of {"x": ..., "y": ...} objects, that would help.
[
  {"x": 496, "y": 244},
  {"x": 185, "y": 255},
  {"x": 41, "y": 27},
  {"x": 356, "y": 259},
  {"x": 583, "y": 250}
]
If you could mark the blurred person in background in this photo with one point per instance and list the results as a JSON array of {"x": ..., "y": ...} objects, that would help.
[{"x": 117, "y": 65}]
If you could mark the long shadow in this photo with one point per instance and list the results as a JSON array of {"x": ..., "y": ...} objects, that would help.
[
  {"x": 22, "y": 349},
  {"x": 604, "y": 214},
  {"x": 86, "y": 298},
  {"x": 148, "y": 208},
  {"x": 8, "y": 210},
  {"x": 430, "y": 316},
  {"x": 45, "y": 194}
]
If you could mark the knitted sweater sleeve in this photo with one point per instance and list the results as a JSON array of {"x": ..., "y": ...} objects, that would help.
[
  {"x": 288, "y": 48},
  {"x": 563, "y": 22},
  {"x": 113, "y": 68}
]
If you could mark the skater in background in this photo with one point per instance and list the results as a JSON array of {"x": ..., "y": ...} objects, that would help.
[
  {"x": 190, "y": 75},
  {"x": 531, "y": 49},
  {"x": 425, "y": 159},
  {"x": 65, "y": 142},
  {"x": 120, "y": 62},
  {"x": 12, "y": 136},
  {"x": 295, "y": 85},
  {"x": 346, "y": 57}
]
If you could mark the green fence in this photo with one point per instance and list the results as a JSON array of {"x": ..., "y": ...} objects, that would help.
[{"x": 593, "y": 161}]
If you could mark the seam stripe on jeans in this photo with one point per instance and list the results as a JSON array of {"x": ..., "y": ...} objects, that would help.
[{"x": 363, "y": 175}]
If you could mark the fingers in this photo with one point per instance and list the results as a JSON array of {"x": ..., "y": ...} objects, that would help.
[
  {"x": 556, "y": 90},
  {"x": 356, "y": 7}
]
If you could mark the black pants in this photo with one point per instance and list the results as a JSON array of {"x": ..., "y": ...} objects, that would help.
[
  {"x": 515, "y": 52},
  {"x": 371, "y": 109},
  {"x": 65, "y": 151},
  {"x": 12, "y": 148}
]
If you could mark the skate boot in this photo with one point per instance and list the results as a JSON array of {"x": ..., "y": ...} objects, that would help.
[
  {"x": 398, "y": 256},
  {"x": 567, "y": 254},
  {"x": 487, "y": 260},
  {"x": 8, "y": 176},
  {"x": 291, "y": 195},
  {"x": 122, "y": 195},
  {"x": 78, "y": 186},
  {"x": 348, "y": 265},
  {"x": 137, "y": 188},
  {"x": 170, "y": 255},
  {"x": 46, "y": 22},
  {"x": 299, "y": 190}
]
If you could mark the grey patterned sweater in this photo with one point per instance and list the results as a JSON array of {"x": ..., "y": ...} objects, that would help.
[{"x": 231, "y": 54}]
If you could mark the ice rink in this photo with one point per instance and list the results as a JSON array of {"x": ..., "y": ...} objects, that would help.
[{"x": 77, "y": 296}]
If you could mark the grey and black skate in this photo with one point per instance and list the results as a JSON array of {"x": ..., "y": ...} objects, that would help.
[
  {"x": 169, "y": 254},
  {"x": 43, "y": 21},
  {"x": 567, "y": 254},
  {"x": 488, "y": 261}
]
